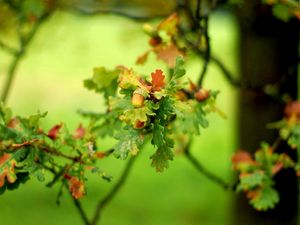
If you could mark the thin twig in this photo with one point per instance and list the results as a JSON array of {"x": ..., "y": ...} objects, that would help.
[
  {"x": 119, "y": 12},
  {"x": 82, "y": 213},
  {"x": 77, "y": 203},
  {"x": 207, "y": 173},
  {"x": 17, "y": 58},
  {"x": 207, "y": 52},
  {"x": 103, "y": 202}
]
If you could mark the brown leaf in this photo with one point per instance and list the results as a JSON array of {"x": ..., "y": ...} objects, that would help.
[
  {"x": 142, "y": 59},
  {"x": 157, "y": 80}
]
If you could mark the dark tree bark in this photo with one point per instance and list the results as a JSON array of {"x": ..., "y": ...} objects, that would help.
[{"x": 269, "y": 55}]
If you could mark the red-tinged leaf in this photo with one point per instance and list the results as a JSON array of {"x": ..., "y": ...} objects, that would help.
[
  {"x": 292, "y": 109},
  {"x": 297, "y": 14},
  {"x": 193, "y": 86},
  {"x": 13, "y": 123},
  {"x": 242, "y": 157},
  {"x": 7, "y": 166},
  {"x": 253, "y": 194},
  {"x": 277, "y": 167},
  {"x": 79, "y": 132},
  {"x": 67, "y": 176},
  {"x": 53, "y": 132},
  {"x": 157, "y": 80},
  {"x": 76, "y": 187},
  {"x": 100, "y": 155},
  {"x": 168, "y": 54}
]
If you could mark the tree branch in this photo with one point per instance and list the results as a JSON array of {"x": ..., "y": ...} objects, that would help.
[
  {"x": 17, "y": 58},
  {"x": 103, "y": 202}
]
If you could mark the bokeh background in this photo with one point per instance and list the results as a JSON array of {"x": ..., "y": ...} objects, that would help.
[{"x": 50, "y": 78}]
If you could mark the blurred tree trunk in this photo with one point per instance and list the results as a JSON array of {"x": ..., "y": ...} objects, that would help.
[{"x": 269, "y": 55}]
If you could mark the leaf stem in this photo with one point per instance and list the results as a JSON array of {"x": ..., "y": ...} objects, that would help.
[{"x": 106, "y": 200}]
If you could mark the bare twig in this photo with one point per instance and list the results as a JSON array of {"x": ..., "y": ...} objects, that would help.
[
  {"x": 82, "y": 213},
  {"x": 207, "y": 52},
  {"x": 119, "y": 12},
  {"x": 77, "y": 203},
  {"x": 103, "y": 202},
  {"x": 214, "y": 178}
]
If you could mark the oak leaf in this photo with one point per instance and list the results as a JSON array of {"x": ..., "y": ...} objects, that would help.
[
  {"x": 53, "y": 132},
  {"x": 168, "y": 54},
  {"x": 7, "y": 165},
  {"x": 157, "y": 80}
]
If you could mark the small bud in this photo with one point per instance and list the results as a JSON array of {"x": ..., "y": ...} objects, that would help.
[
  {"x": 139, "y": 124},
  {"x": 201, "y": 95},
  {"x": 137, "y": 100},
  {"x": 148, "y": 29},
  {"x": 154, "y": 41}
]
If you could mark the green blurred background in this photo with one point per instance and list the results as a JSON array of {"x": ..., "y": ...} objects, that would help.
[{"x": 49, "y": 78}]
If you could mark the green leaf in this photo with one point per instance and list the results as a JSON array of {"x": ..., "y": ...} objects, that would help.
[
  {"x": 137, "y": 114},
  {"x": 5, "y": 114},
  {"x": 190, "y": 116},
  {"x": 160, "y": 159},
  {"x": 251, "y": 180},
  {"x": 281, "y": 11},
  {"x": 103, "y": 80},
  {"x": 130, "y": 141},
  {"x": 179, "y": 71},
  {"x": 265, "y": 199},
  {"x": 158, "y": 135}
]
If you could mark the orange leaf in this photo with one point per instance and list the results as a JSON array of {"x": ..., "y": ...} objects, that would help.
[
  {"x": 241, "y": 157},
  {"x": 157, "y": 80},
  {"x": 253, "y": 194},
  {"x": 7, "y": 169},
  {"x": 277, "y": 167},
  {"x": 76, "y": 187}
]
